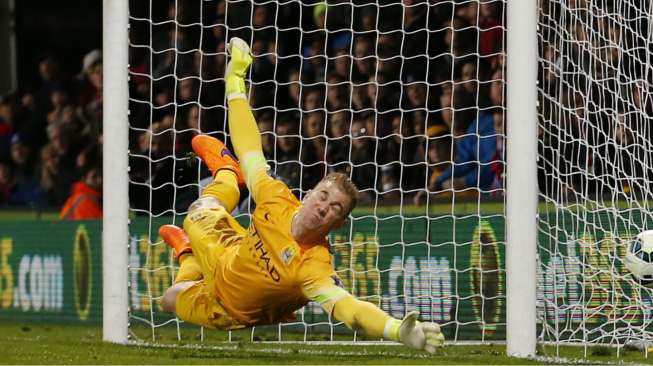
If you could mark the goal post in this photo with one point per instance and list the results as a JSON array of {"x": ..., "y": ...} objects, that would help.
[
  {"x": 521, "y": 179},
  {"x": 115, "y": 230}
]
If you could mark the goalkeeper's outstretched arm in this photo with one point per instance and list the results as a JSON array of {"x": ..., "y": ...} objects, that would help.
[{"x": 367, "y": 317}]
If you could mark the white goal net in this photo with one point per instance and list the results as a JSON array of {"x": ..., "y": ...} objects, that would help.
[
  {"x": 408, "y": 99},
  {"x": 595, "y": 109},
  {"x": 389, "y": 93}
]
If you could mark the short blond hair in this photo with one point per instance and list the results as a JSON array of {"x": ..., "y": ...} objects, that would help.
[{"x": 346, "y": 186}]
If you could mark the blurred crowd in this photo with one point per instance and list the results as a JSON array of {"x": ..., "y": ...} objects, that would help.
[
  {"x": 405, "y": 97},
  {"x": 51, "y": 141},
  {"x": 393, "y": 94},
  {"x": 595, "y": 100}
]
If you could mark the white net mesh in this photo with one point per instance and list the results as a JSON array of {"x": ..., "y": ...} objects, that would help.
[
  {"x": 595, "y": 168},
  {"x": 406, "y": 98}
]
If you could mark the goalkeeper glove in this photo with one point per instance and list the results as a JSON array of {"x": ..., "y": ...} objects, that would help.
[
  {"x": 237, "y": 67},
  {"x": 417, "y": 335}
]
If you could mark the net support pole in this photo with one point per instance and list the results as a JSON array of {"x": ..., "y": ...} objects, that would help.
[
  {"x": 115, "y": 233},
  {"x": 521, "y": 180}
]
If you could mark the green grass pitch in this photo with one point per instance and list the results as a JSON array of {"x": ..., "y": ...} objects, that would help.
[{"x": 43, "y": 343}]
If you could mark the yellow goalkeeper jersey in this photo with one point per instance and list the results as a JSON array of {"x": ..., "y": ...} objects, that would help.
[{"x": 268, "y": 275}]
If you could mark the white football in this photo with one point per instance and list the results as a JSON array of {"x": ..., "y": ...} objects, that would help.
[{"x": 639, "y": 257}]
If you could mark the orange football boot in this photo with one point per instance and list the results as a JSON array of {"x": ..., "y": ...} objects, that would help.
[
  {"x": 176, "y": 239},
  {"x": 216, "y": 156}
]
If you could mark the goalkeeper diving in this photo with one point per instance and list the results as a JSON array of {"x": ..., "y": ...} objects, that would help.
[{"x": 231, "y": 277}]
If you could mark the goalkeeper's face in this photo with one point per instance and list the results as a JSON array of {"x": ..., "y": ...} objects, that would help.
[{"x": 325, "y": 208}]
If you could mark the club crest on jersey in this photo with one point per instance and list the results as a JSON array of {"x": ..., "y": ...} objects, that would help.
[
  {"x": 196, "y": 216},
  {"x": 287, "y": 255}
]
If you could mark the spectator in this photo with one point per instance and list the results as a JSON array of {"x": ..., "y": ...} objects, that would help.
[
  {"x": 398, "y": 154},
  {"x": 468, "y": 12},
  {"x": 418, "y": 140},
  {"x": 188, "y": 90},
  {"x": 62, "y": 111},
  {"x": 491, "y": 31},
  {"x": 359, "y": 98},
  {"x": 188, "y": 128},
  {"x": 58, "y": 164},
  {"x": 439, "y": 160},
  {"x": 262, "y": 24},
  {"x": 368, "y": 19},
  {"x": 21, "y": 157},
  {"x": 27, "y": 190},
  {"x": 469, "y": 77},
  {"x": 338, "y": 143},
  {"x": 383, "y": 93},
  {"x": 313, "y": 131},
  {"x": 50, "y": 80},
  {"x": 56, "y": 176},
  {"x": 336, "y": 95},
  {"x": 475, "y": 143},
  {"x": 626, "y": 174},
  {"x": 341, "y": 65},
  {"x": 313, "y": 151},
  {"x": 89, "y": 106},
  {"x": 389, "y": 63},
  {"x": 370, "y": 123},
  {"x": 363, "y": 58},
  {"x": 16, "y": 188},
  {"x": 7, "y": 184},
  {"x": 163, "y": 104},
  {"x": 152, "y": 169},
  {"x": 497, "y": 89},
  {"x": 415, "y": 36},
  {"x": 373, "y": 91},
  {"x": 498, "y": 165},
  {"x": 220, "y": 58},
  {"x": 313, "y": 99},
  {"x": 6, "y": 128},
  {"x": 266, "y": 126},
  {"x": 85, "y": 201},
  {"x": 264, "y": 67},
  {"x": 460, "y": 42},
  {"x": 288, "y": 167},
  {"x": 363, "y": 170},
  {"x": 88, "y": 156},
  {"x": 314, "y": 56},
  {"x": 416, "y": 93},
  {"x": 294, "y": 90}
]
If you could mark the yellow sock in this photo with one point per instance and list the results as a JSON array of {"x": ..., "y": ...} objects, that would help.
[
  {"x": 189, "y": 269},
  {"x": 244, "y": 131},
  {"x": 225, "y": 188}
]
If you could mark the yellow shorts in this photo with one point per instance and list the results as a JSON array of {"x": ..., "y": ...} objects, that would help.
[
  {"x": 198, "y": 304},
  {"x": 211, "y": 231}
]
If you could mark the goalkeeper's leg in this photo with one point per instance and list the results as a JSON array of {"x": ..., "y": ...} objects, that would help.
[
  {"x": 222, "y": 193},
  {"x": 176, "y": 238},
  {"x": 209, "y": 230},
  {"x": 244, "y": 131},
  {"x": 223, "y": 165},
  {"x": 195, "y": 302}
]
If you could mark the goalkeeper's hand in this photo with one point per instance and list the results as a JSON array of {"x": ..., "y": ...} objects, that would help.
[{"x": 421, "y": 336}]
